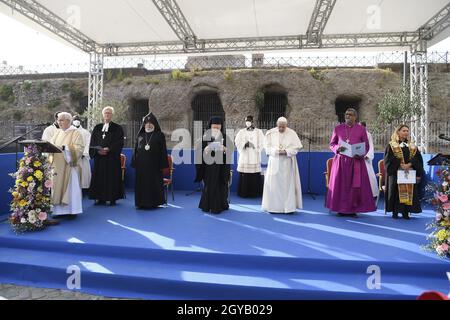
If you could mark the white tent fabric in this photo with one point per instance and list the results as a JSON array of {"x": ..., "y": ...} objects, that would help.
[{"x": 139, "y": 21}]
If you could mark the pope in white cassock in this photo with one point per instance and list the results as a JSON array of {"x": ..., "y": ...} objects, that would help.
[
  {"x": 84, "y": 162},
  {"x": 282, "y": 189},
  {"x": 66, "y": 191}
]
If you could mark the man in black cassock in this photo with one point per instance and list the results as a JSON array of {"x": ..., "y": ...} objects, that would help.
[
  {"x": 105, "y": 148},
  {"x": 149, "y": 159},
  {"x": 213, "y": 159}
]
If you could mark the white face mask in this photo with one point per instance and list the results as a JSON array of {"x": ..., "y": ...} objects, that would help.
[
  {"x": 215, "y": 132},
  {"x": 149, "y": 130},
  {"x": 248, "y": 124},
  {"x": 77, "y": 123}
]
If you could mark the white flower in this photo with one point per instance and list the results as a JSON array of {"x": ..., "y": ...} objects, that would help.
[
  {"x": 445, "y": 183},
  {"x": 38, "y": 210},
  {"x": 32, "y": 213},
  {"x": 23, "y": 220},
  {"x": 32, "y": 219}
]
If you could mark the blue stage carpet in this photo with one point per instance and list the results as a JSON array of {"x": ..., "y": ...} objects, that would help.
[{"x": 178, "y": 252}]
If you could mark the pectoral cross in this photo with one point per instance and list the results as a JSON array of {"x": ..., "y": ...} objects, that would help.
[{"x": 104, "y": 135}]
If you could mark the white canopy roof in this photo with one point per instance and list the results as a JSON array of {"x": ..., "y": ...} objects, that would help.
[{"x": 169, "y": 26}]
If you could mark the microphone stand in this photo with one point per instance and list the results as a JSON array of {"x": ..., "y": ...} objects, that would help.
[
  {"x": 16, "y": 141},
  {"x": 309, "y": 191}
]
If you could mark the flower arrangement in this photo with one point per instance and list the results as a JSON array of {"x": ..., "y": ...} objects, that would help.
[
  {"x": 439, "y": 239},
  {"x": 31, "y": 203}
]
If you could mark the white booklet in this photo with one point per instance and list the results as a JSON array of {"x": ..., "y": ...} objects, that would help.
[
  {"x": 406, "y": 177},
  {"x": 215, "y": 146},
  {"x": 353, "y": 149}
]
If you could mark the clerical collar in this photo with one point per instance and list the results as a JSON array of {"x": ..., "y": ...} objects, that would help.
[
  {"x": 106, "y": 127},
  {"x": 251, "y": 128}
]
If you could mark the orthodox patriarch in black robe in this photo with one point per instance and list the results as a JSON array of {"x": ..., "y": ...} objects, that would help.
[
  {"x": 149, "y": 159},
  {"x": 213, "y": 168},
  {"x": 106, "y": 182},
  {"x": 402, "y": 198}
]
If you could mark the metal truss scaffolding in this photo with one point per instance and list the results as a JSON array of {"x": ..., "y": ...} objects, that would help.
[
  {"x": 177, "y": 21},
  {"x": 419, "y": 92},
  {"x": 95, "y": 86},
  {"x": 319, "y": 19}
]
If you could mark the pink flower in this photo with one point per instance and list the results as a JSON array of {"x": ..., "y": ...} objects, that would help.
[
  {"x": 444, "y": 247},
  {"x": 42, "y": 216},
  {"x": 446, "y": 206},
  {"x": 442, "y": 197},
  {"x": 48, "y": 184}
]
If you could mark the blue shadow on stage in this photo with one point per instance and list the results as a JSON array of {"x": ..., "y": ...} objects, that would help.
[{"x": 184, "y": 173}]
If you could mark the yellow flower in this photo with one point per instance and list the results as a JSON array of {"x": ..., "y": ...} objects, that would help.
[
  {"x": 18, "y": 182},
  {"x": 37, "y": 164},
  {"x": 442, "y": 235},
  {"x": 23, "y": 203},
  {"x": 24, "y": 184},
  {"x": 30, "y": 178},
  {"x": 39, "y": 175},
  {"x": 15, "y": 194}
]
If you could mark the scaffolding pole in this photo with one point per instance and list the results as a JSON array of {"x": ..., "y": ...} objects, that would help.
[
  {"x": 95, "y": 87},
  {"x": 419, "y": 92}
]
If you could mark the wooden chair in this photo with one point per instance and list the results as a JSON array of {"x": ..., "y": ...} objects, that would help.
[
  {"x": 327, "y": 174},
  {"x": 168, "y": 178},
  {"x": 381, "y": 179},
  {"x": 123, "y": 165}
]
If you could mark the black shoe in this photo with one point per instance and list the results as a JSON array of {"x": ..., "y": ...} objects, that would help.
[
  {"x": 72, "y": 217},
  {"x": 405, "y": 216},
  {"x": 99, "y": 203},
  {"x": 395, "y": 216},
  {"x": 112, "y": 203}
]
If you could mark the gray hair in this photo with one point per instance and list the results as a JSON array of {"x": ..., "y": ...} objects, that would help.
[
  {"x": 108, "y": 108},
  {"x": 65, "y": 116},
  {"x": 353, "y": 110},
  {"x": 282, "y": 120}
]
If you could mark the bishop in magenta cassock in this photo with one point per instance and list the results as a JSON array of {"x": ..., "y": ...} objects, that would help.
[{"x": 349, "y": 190}]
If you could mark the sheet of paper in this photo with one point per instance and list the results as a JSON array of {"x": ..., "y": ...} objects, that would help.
[{"x": 406, "y": 177}]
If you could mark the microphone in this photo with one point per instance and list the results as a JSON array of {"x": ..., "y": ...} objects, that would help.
[{"x": 444, "y": 137}]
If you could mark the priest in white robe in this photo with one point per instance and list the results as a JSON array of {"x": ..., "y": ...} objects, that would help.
[
  {"x": 282, "y": 189},
  {"x": 84, "y": 163},
  {"x": 369, "y": 164},
  {"x": 51, "y": 129},
  {"x": 66, "y": 191},
  {"x": 249, "y": 143}
]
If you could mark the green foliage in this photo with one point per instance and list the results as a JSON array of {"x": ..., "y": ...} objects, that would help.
[
  {"x": 18, "y": 115},
  {"x": 120, "y": 112},
  {"x": 109, "y": 75},
  {"x": 180, "y": 75},
  {"x": 27, "y": 85},
  {"x": 397, "y": 107},
  {"x": 121, "y": 75},
  {"x": 7, "y": 93},
  {"x": 259, "y": 99},
  {"x": 317, "y": 74},
  {"x": 151, "y": 80},
  {"x": 41, "y": 87},
  {"x": 228, "y": 74},
  {"x": 54, "y": 104}
]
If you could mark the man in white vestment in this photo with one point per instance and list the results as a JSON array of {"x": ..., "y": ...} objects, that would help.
[
  {"x": 84, "y": 164},
  {"x": 51, "y": 129},
  {"x": 282, "y": 189},
  {"x": 66, "y": 191},
  {"x": 249, "y": 144},
  {"x": 369, "y": 159}
]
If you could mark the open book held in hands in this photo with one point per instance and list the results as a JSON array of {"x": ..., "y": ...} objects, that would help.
[{"x": 353, "y": 149}]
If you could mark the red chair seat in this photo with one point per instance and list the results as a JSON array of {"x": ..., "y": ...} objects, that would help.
[{"x": 167, "y": 181}]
